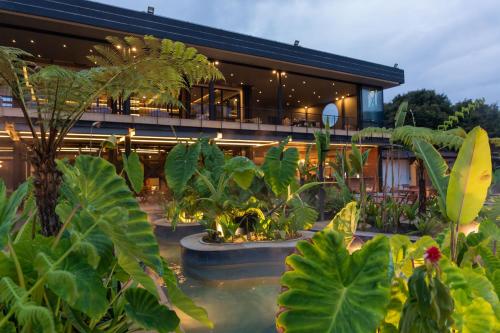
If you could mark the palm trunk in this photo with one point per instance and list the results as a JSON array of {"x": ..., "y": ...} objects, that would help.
[
  {"x": 321, "y": 194},
  {"x": 47, "y": 181}
]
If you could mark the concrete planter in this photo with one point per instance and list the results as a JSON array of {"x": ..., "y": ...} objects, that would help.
[
  {"x": 232, "y": 261},
  {"x": 167, "y": 233}
]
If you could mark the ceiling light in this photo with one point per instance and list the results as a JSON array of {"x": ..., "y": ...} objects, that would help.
[
  {"x": 348, "y": 95},
  {"x": 13, "y": 41},
  {"x": 284, "y": 85},
  {"x": 241, "y": 83},
  {"x": 287, "y": 104},
  {"x": 314, "y": 93},
  {"x": 134, "y": 49},
  {"x": 336, "y": 93},
  {"x": 258, "y": 100},
  {"x": 298, "y": 101},
  {"x": 293, "y": 89},
  {"x": 342, "y": 96},
  {"x": 289, "y": 95},
  {"x": 64, "y": 45},
  {"x": 216, "y": 62},
  {"x": 333, "y": 83},
  {"x": 283, "y": 73},
  {"x": 91, "y": 50},
  {"x": 32, "y": 41},
  {"x": 306, "y": 107},
  {"x": 260, "y": 91},
  {"x": 118, "y": 47},
  {"x": 231, "y": 74},
  {"x": 274, "y": 71},
  {"x": 319, "y": 96},
  {"x": 39, "y": 56},
  {"x": 303, "y": 82},
  {"x": 336, "y": 98},
  {"x": 270, "y": 80}
]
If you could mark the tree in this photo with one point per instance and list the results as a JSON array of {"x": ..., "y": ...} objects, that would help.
[
  {"x": 487, "y": 116},
  {"x": 53, "y": 98},
  {"x": 429, "y": 109}
]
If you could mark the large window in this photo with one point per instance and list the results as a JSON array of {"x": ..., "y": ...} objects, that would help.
[{"x": 372, "y": 106}]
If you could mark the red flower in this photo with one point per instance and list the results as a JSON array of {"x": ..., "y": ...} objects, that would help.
[{"x": 432, "y": 254}]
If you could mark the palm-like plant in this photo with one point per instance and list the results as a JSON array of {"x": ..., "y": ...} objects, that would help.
[{"x": 52, "y": 99}]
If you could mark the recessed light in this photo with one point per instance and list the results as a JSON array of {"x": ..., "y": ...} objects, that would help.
[
  {"x": 342, "y": 96},
  {"x": 260, "y": 91},
  {"x": 13, "y": 41},
  {"x": 134, "y": 49},
  {"x": 336, "y": 93},
  {"x": 289, "y": 95},
  {"x": 347, "y": 94},
  {"x": 274, "y": 71},
  {"x": 293, "y": 89},
  {"x": 287, "y": 104},
  {"x": 283, "y": 73},
  {"x": 231, "y": 74},
  {"x": 319, "y": 96},
  {"x": 314, "y": 93},
  {"x": 241, "y": 83},
  {"x": 270, "y": 80},
  {"x": 64, "y": 45},
  {"x": 303, "y": 82},
  {"x": 336, "y": 98},
  {"x": 333, "y": 83},
  {"x": 306, "y": 107},
  {"x": 258, "y": 100},
  {"x": 284, "y": 85},
  {"x": 118, "y": 47},
  {"x": 32, "y": 41},
  {"x": 298, "y": 101},
  {"x": 39, "y": 56},
  {"x": 91, "y": 51}
]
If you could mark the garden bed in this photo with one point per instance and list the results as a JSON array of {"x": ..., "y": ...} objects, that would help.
[{"x": 231, "y": 261}]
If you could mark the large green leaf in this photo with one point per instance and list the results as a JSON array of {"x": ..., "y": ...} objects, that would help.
[
  {"x": 135, "y": 171},
  {"x": 242, "y": 170},
  {"x": 8, "y": 209},
  {"x": 400, "y": 117},
  {"x": 470, "y": 178},
  {"x": 280, "y": 167},
  {"x": 346, "y": 221},
  {"x": 473, "y": 315},
  {"x": 213, "y": 158},
  {"x": 328, "y": 290},
  {"x": 436, "y": 167},
  {"x": 180, "y": 165},
  {"x": 93, "y": 184},
  {"x": 144, "y": 309},
  {"x": 181, "y": 301}
]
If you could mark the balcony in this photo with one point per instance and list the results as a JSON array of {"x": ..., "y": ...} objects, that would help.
[{"x": 263, "y": 119}]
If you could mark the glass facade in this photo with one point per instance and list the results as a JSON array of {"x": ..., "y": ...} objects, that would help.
[{"x": 372, "y": 106}]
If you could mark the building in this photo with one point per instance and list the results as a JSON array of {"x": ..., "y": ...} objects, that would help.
[{"x": 272, "y": 89}]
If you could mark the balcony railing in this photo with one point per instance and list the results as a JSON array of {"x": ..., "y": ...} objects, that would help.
[{"x": 264, "y": 119}]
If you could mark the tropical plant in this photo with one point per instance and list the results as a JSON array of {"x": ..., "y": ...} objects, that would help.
[
  {"x": 52, "y": 99},
  {"x": 450, "y": 288},
  {"x": 322, "y": 139},
  {"x": 86, "y": 278}
]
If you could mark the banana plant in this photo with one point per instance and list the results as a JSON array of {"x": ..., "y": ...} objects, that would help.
[
  {"x": 461, "y": 192},
  {"x": 86, "y": 278}
]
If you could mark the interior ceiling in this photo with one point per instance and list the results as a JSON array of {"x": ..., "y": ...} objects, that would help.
[{"x": 69, "y": 45}]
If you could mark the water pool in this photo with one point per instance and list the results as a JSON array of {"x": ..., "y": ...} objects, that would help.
[{"x": 242, "y": 306}]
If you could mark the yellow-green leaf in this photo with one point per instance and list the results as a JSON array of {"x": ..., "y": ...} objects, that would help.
[{"x": 470, "y": 178}]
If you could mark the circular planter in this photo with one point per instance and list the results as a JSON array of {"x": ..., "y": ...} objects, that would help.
[
  {"x": 232, "y": 261},
  {"x": 167, "y": 233}
]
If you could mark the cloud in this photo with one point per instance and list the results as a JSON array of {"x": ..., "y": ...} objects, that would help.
[{"x": 451, "y": 46}]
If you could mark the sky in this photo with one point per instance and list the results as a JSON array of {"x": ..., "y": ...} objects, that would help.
[{"x": 451, "y": 46}]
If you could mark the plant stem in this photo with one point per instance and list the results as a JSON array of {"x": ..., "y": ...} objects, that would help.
[{"x": 19, "y": 271}]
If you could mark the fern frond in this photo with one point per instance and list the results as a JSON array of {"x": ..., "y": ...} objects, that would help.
[{"x": 380, "y": 132}]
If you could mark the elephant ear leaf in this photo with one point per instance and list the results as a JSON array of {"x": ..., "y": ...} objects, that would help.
[
  {"x": 280, "y": 166},
  {"x": 328, "y": 290},
  {"x": 134, "y": 170},
  {"x": 470, "y": 178},
  {"x": 144, "y": 309},
  {"x": 242, "y": 169},
  {"x": 346, "y": 222},
  {"x": 180, "y": 165}
]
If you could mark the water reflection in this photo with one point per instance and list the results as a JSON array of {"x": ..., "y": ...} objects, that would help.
[{"x": 243, "y": 306}]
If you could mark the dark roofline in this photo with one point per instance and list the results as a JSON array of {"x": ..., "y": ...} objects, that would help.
[{"x": 135, "y": 22}]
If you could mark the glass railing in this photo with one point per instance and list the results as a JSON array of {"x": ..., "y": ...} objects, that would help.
[{"x": 258, "y": 116}]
